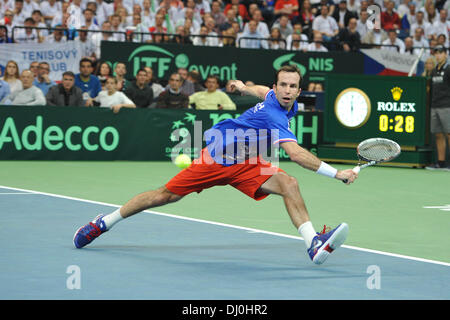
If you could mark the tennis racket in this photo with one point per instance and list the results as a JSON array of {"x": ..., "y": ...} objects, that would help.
[{"x": 375, "y": 150}]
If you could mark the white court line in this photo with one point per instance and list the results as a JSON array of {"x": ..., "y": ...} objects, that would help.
[
  {"x": 16, "y": 193},
  {"x": 251, "y": 230}
]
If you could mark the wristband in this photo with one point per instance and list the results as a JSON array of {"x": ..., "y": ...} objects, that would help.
[{"x": 326, "y": 170}]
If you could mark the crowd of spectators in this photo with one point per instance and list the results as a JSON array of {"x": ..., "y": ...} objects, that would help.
[{"x": 302, "y": 25}]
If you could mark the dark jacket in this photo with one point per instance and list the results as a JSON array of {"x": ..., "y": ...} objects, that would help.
[
  {"x": 57, "y": 96},
  {"x": 142, "y": 98}
]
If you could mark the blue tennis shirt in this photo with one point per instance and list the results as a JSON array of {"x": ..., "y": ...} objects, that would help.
[{"x": 252, "y": 134}]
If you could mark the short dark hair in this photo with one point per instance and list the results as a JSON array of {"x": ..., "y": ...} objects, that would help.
[
  {"x": 69, "y": 73},
  {"x": 86, "y": 60},
  {"x": 289, "y": 68},
  {"x": 141, "y": 70}
]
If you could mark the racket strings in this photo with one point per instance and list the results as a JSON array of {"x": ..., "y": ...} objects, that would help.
[{"x": 378, "y": 151}]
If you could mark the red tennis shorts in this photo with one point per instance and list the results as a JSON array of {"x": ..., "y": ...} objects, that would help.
[{"x": 204, "y": 173}]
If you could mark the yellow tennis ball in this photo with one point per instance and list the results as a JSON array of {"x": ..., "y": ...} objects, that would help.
[{"x": 183, "y": 161}]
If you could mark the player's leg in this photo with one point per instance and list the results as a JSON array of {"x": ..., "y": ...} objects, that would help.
[{"x": 319, "y": 246}]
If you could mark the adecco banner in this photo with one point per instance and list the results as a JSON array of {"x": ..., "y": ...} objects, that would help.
[
  {"x": 80, "y": 133},
  {"x": 227, "y": 62}
]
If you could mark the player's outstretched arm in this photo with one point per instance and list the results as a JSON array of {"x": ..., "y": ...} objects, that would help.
[
  {"x": 255, "y": 90},
  {"x": 309, "y": 161}
]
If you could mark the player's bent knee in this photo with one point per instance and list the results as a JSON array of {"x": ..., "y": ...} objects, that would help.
[{"x": 169, "y": 196}]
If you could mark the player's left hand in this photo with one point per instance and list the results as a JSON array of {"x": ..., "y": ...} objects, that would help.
[{"x": 348, "y": 175}]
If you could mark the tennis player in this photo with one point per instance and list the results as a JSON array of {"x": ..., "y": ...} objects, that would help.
[{"x": 233, "y": 159}]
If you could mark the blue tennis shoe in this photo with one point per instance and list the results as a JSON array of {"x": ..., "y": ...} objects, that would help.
[
  {"x": 88, "y": 233},
  {"x": 326, "y": 242}
]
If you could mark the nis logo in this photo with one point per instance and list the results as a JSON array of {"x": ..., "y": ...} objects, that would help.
[{"x": 395, "y": 106}]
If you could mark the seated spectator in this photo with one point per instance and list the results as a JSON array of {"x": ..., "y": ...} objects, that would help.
[
  {"x": 29, "y": 95},
  {"x": 419, "y": 40},
  {"x": 375, "y": 37},
  {"x": 442, "y": 40},
  {"x": 349, "y": 37},
  {"x": 242, "y": 9},
  {"x": 298, "y": 29},
  {"x": 317, "y": 44},
  {"x": 5, "y": 91},
  {"x": 276, "y": 41},
  {"x": 87, "y": 82},
  {"x": 229, "y": 37},
  {"x": 4, "y": 37},
  {"x": 12, "y": 77},
  {"x": 420, "y": 22},
  {"x": 57, "y": 36},
  {"x": 181, "y": 37},
  {"x": 39, "y": 22},
  {"x": 43, "y": 81},
  {"x": 139, "y": 92},
  {"x": 442, "y": 25},
  {"x": 306, "y": 17},
  {"x": 34, "y": 67},
  {"x": 103, "y": 71},
  {"x": 27, "y": 34},
  {"x": 173, "y": 98},
  {"x": 217, "y": 13},
  {"x": 286, "y": 7},
  {"x": 326, "y": 25},
  {"x": 150, "y": 81},
  {"x": 285, "y": 26},
  {"x": 98, "y": 37},
  {"x": 363, "y": 24},
  {"x": 203, "y": 39},
  {"x": 49, "y": 9},
  {"x": 112, "y": 98},
  {"x": 389, "y": 18},
  {"x": 65, "y": 93},
  {"x": 19, "y": 14},
  {"x": 87, "y": 45},
  {"x": 261, "y": 27},
  {"x": 119, "y": 72},
  {"x": 212, "y": 98},
  {"x": 195, "y": 78},
  {"x": 187, "y": 87},
  {"x": 342, "y": 15},
  {"x": 251, "y": 39},
  {"x": 298, "y": 43},
  {"x": 409, "y": 49},
  {"x": 393, "y": 43}
]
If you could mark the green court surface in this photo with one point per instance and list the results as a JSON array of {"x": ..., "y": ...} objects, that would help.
[{"x": 385, "y": 208}]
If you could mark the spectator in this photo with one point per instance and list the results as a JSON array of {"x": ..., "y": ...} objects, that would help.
[
  {"x": 57, "y": 36},
  {"x": 286, "y": 7},
  {"x": 393, "y": 43},
  {"x": 75, "y": 13},
  {"x": 349, "y": 37},
  {"x": 104, "y": 11},
  {"x": 442, "y": 40},
  {"x": 34, "y": 67},
  {"x": 251, "y": 38},
  {"x": 88, "y": 83},
  {"x": 65, "y": 93},
  {"x": 158, "y": 30},
  {"x": 103, "y": 72},
  {"x": 297, "y": 29},
  {"x": 375, "y": 37},
  {"x": 420, "y": 22},
  {"x": 217, "y": 14},
  {"x": 181, "y": 37},
  {"x": 430, "y": 64},
  {"x": 4, "y": 37},
  {"x": 27, "y": 34},
  {"x": 43, "y": 81},
  {"x": 363, "y": 24},
  {"x": 317, "y": 44},
  {"x": 87, "y": 45},
  {"x": 442, "y": 25},
  {"x": 139, "y": 92},
  {"x": 49, "y": 9},
  {"x": 409, "y": 18},
  {"x": 120, "y": 71},
  {"x": 306, "y": 17},
  {"x": 19, "y": 14},
  {"x": 211, "y": 26},
  {"x": 195, "y": 78},
  {"x": 326, "y": 25},
  {"x": 11, "y": 76},
  {"x": 298, "y": 43},
  {"x": 112, "y": 98},
  {"x": 242, "y": 9},
  {"x": 261, "y": 27},
  {"x": 150, "y": 81},
  {"x": 211, "y": 99},
  {"x": 276, "y": 41},
  {"x": 229, "y": 39},
  {"x": 419, "y": 41},
  {"x": 173, "y": 98},
  {"x": 29, "y": 6},
  {"x": 389, "y": 18},
  {"x": 203, "y": 39},
  {"x": 187, "y": 87},
  {"x": 5, "y": 91},
  {"x": 98, "y": 37},
  {"x": 285, "y": 26},
  {"x": 409, "y": 49},
  {"x": 231, "y": 17},
  {"x": 29, "y": 95},
  {"x": 342, "y": 15},
  {"x": 88, "y": 20},
  {"x": 403, "y": 8},
  {"x": 39, "y": 22}
]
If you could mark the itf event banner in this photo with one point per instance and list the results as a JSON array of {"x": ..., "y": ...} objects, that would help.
[{"x": 61, "y": 57}]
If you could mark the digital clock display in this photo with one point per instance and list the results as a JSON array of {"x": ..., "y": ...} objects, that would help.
[{"x": 359, "y": 107}]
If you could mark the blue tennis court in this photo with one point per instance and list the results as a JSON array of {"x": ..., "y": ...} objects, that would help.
[{"x": 159, "y": 256}]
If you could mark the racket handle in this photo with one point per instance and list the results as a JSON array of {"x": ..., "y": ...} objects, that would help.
[{"x": 356, "y": 169}]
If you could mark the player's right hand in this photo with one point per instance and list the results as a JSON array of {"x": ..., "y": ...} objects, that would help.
[
  {"x": 348, "y": 175},
  {"x": 234, "y": 85}
]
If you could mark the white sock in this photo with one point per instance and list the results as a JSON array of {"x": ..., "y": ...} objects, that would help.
[
  {"x": 112, "y": 219},
  {"x": 307, "y": 232}
]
